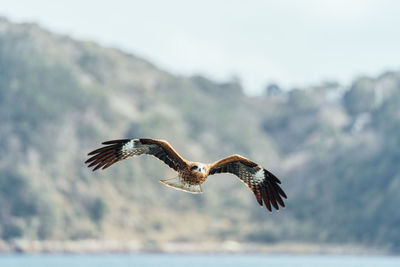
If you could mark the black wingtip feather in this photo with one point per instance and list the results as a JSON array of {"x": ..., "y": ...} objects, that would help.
[
  {"x": 271, "y": 176},
  {"x": 272, "y": 199},
  {"x": 101, "y": 149},
  {"x": 259, "y": 198},
  {"x": 265, "y": 196},
  {"x": 105, "y": 156},
  {"x": 272, "y": 192},
  {"x": 280, "y": 191},
  {"x": 119, "y": 141}
]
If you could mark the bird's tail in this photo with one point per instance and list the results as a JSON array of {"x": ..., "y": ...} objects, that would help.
[{"x": 178, "y": 184}]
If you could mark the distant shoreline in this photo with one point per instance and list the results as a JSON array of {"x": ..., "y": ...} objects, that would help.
[{"x": 115, "y": 246}]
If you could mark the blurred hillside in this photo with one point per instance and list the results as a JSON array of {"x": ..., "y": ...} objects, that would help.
[{"x": 335, "y": 150}]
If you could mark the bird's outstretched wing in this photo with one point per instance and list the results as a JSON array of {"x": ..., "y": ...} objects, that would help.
[
  {"x": 263, "y": 183},
  {"x": 117, "y": 150}
]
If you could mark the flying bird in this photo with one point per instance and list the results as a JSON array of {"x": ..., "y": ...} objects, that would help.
[{"x": 191, "y": 175}]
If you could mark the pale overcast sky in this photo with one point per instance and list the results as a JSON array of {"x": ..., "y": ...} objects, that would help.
[{"x": 293, "y": 43}]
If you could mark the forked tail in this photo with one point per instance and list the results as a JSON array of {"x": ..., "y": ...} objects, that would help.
[{"x": 178, "y": 184}]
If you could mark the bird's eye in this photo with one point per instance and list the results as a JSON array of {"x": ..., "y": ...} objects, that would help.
[{"x": 194, "y": 168}]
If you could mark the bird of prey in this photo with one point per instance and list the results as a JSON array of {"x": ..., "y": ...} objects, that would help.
[{"x": 191, "y": 175}]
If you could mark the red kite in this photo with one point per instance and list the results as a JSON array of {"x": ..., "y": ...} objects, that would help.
[{"x": 191, "y": 175}]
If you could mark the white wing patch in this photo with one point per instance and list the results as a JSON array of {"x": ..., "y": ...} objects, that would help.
[
  {"x": 134, "y": 147},
  {"x": 259, "y": 176},
  {"x": 128, "y": 147}
]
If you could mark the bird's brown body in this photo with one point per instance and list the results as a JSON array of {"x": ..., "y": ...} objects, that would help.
[{"x": 191, "y": 175}]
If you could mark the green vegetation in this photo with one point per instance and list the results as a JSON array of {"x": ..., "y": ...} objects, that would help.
[{"x": 336, "y": 150}]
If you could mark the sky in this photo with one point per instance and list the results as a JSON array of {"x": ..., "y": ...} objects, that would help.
[{"x": 292, "y": 43}]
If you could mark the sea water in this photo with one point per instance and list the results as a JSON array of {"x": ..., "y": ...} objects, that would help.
[{"x": 196, "y": 260}]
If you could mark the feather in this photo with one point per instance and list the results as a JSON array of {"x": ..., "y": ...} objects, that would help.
[
  {"x": 120, "y": 141},
  {"x": 117, "y": 150},
  {"x": 263, "y": 183},
  {"x": 101, "y": 150},
  {"x": 272, "y": 199},
  {"x": 266, "y": 199},
  {"x": 258, "y": 197}
]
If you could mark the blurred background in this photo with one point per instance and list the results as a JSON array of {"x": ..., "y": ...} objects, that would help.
[{"x": 309, "y": 89}]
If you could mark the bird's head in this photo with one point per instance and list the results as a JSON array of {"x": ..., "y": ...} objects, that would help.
[{"x": 198, "y": 167}]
